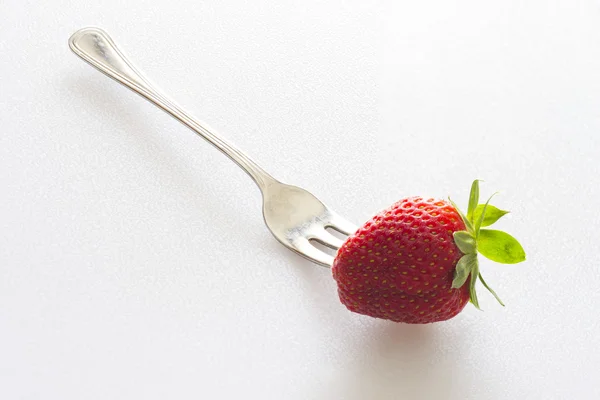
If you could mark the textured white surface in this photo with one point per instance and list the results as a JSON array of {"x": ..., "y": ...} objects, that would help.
[{"x": 134, "y": 263}]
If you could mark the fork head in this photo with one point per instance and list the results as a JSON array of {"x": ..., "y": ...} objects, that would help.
[{"x": 297, "y": 219}]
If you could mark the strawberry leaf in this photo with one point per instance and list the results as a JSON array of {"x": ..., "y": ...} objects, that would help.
[
  {"x": 482, "y": 216},
  {"x": 500, "y": 247},
  {"x": 473, "y": 200},
  {"x": 464, "y": 267},
  {"x": 490, "y": 289},
  {"x": 472, "y": 291},
  {"x": 492, "y": 214},
  {"x": 467, "y": 223},
  {"x": 465, "y": 242}
]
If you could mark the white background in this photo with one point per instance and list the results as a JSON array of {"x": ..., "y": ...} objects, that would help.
[{"x": 134, "y": 263}]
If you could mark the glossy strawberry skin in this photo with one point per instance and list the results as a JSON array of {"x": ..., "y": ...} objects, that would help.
[{"x": 400, "y": 265}]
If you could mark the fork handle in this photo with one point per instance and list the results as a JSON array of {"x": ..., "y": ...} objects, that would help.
[{"x": 96, "y": 47}]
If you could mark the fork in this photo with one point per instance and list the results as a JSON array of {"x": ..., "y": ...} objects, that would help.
[{"x": 294, "y": 216}]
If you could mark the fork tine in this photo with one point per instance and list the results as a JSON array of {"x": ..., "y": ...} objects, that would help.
[
  {"x": 341, "y": 224},
  {"x": 327, "y": 239},
  {"x": 304, "y": 248}
]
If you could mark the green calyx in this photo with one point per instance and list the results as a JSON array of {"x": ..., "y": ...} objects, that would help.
[{"x": 495, "y": 245}]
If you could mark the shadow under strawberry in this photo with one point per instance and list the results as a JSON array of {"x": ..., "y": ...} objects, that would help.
[{"x": 403, "y": 361}]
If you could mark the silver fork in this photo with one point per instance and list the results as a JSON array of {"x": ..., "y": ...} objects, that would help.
[{"x": 293, "y": 215}]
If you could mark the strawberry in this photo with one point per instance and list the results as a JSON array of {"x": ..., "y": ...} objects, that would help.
[{"x": 416, "y": 262}]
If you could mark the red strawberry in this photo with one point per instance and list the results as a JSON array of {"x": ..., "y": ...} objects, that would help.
[{"x": 416, "y": 262}]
